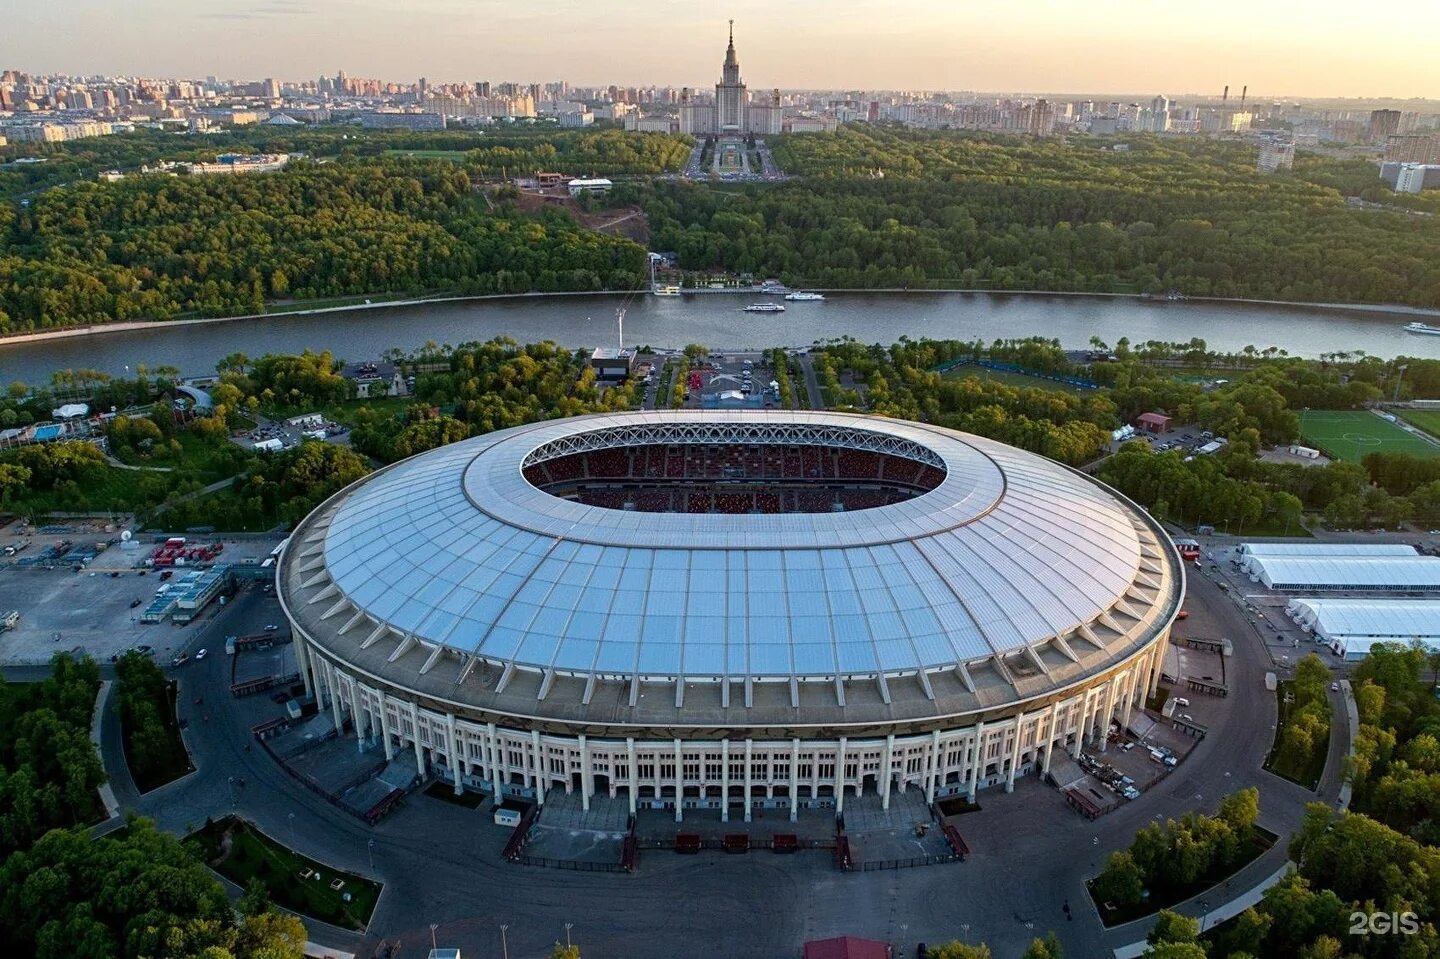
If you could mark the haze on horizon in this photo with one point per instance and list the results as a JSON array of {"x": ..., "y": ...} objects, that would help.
[{"x": 1308, "y": 48}]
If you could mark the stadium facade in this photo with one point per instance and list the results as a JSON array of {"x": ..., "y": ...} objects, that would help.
[{"x": 729, "y": 610}]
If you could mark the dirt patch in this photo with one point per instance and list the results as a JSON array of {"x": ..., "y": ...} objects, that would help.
[{"x": 627, "y": 221}]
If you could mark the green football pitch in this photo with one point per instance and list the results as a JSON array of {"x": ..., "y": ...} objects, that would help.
[{"x": 1350, "y": 434}]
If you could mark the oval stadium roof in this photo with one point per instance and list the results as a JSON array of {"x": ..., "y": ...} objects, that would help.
[{"x": 454, "y": 549}]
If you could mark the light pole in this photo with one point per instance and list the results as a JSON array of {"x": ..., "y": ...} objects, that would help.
[
  {"x": 1398, "y": 380},
  {"x": 433, "y": 947},
  {"x": 504, "y": 945},
  {"x": 371, "y": 847},
  {"x": 567, "y": 934}
]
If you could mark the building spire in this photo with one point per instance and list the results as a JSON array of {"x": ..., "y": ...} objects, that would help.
[{"x": 732, "y": 33}]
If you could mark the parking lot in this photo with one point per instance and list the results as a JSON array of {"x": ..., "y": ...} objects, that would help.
[
  {"x": 97, "y": 608},
  {"x": 275, "y": 435}
]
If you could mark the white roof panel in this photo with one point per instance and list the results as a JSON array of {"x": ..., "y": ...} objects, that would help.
[{"x": 457, "y": 547}]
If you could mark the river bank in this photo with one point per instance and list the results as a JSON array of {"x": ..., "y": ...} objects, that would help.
[{"x": 97, "y": 329}]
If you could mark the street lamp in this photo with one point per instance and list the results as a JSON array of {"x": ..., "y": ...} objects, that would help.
[
  {"x": 433, "y": 947},
  {"x": 567, "y": 934},
  {"x": 371, "y": 847},
  {"x": 504, "y": 945}
]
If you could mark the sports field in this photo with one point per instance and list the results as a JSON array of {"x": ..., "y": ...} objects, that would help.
[
  {"x": 1350, "y": 434},
  {"x": 1427, "y": 420}
]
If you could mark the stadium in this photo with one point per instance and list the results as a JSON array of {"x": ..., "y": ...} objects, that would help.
[{"x": 729, "y": 609}]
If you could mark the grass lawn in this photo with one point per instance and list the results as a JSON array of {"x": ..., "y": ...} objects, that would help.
[
  {"x": 1012, "y": 379},
  {"x": 1254, "y": 845},
  {"x": 250, "y": 852},
  {"x": 1350, "y": 434},
  {"x": 110, "y": 490},
  {"x": 174, "y": 763},
  {"x": 1427, "y": 420},
  {"x": 202, "y": 459},
  {"x": 1308, "y": 773},
  {"x": 454, "y": 156}
]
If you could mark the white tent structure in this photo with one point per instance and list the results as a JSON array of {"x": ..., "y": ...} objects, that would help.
[
  {"x": 1390, "y": 574},
  {"x": 1351, "y": 626},
  {"x": 1252, "y": 553}
]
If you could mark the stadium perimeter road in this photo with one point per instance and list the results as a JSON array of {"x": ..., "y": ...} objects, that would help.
[{"x": 441, "y": 863}]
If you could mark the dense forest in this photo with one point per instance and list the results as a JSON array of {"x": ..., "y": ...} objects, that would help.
[
  {"x": 517, "y": 150},
  {"x": 160, "y": 246},
  {"x": 1255, "y": 407},
  {"x": 881, "y": 207},
  {"x": 136, "y": 892}
]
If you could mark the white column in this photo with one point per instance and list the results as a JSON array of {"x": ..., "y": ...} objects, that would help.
[
  {"x": 749, "y": 744},
  {"x": 541, "y": 776},
  {"x": 385, "y": 727},
  {"x": 587, "y": 781},
  {"x": 1050, "y": 738},
  {"x": 932, "y": 757},
  {"x": 679, "y": 782},
  {"x": 1102, "y": 735},
  {"x": 725, "y": 780},
  {"x": 794, "y": 779},
  {"x": 630, "y": 755},
  {"x": 452, "y": 745},
  {"x": 840, "y": 777},
  {"x": 415, "y": 739},
  {"x": 302, "y": 660},
  {"x": 334, "y": 698},
  {"x": 497, "y": 778},
  {"x": 1015, "y": 752},
  {"x": 358, "y": 714},
  {"x": 979, "y": 762},
  {"x": 885, "y": 763},
  {"x": 1128, "y": 699},
  {"x": 1080, "y": 724}
]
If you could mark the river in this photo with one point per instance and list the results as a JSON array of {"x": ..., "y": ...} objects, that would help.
[{"x": 716, "y": 320}]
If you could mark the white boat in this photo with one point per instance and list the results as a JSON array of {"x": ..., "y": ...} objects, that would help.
[
  {"x": 765, "y": 308},
  {"x": 1418, "y": 327},
  {"x": 802, "y": 297},
  {"x": 666, "y": 291}
]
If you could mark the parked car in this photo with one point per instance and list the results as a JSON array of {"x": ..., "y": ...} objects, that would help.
[
  {"x": 134, "y": 603},
  {"x": 1334, "y": 687},
  {"x": 271, "y": 628},
  {"x": 145, "y": 650},
  {"x": 201, "y": 654}
]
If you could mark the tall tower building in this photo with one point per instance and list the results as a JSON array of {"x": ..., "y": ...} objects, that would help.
[{"x": 730, "y": 98}]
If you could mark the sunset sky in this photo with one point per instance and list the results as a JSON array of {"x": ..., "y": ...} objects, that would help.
[{"x": 1277, "y": 47}]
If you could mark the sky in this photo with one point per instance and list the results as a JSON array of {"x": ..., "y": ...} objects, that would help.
[{"x": 1320, "y": 48}]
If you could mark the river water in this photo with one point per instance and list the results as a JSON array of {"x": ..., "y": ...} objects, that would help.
[{"x": 717, "y": 320}]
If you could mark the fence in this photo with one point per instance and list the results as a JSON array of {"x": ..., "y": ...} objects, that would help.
[
  {"x": 933, "y": 860},
  {"x": 574, "y": 865}
]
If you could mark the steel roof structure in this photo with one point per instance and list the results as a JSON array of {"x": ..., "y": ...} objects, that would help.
[
  {"x": 1327, "y": 549},
  {"x": 456, "y": 551},
  {"x": 1393, "y": 620},
  {"x": 1413, "y": 573}
]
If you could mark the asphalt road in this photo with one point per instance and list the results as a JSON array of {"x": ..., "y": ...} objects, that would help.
[{"x": 441, "y": 863}]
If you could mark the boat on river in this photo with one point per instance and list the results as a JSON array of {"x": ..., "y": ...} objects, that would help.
[{"x": 1423, "y": 328}]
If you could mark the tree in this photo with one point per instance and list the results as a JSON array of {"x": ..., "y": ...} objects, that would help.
[
  {"x": 565, "y": 952},
  {"x": 1046, "y": 948},
  {"x": 1171, "y": 926},
  {"x": 1121, "y": 882},
  {"x": 1240, "y": 809},
  {"x": 960, "y": 950}
]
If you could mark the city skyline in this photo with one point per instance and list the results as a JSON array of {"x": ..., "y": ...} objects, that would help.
[{"x": 1277, "y": 48}]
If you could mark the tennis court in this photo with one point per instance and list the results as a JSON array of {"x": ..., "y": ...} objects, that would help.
[{"x": 1350, "y": 434}]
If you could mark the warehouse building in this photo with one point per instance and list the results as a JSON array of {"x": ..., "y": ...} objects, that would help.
[{"x": 1351, "y": 626}]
